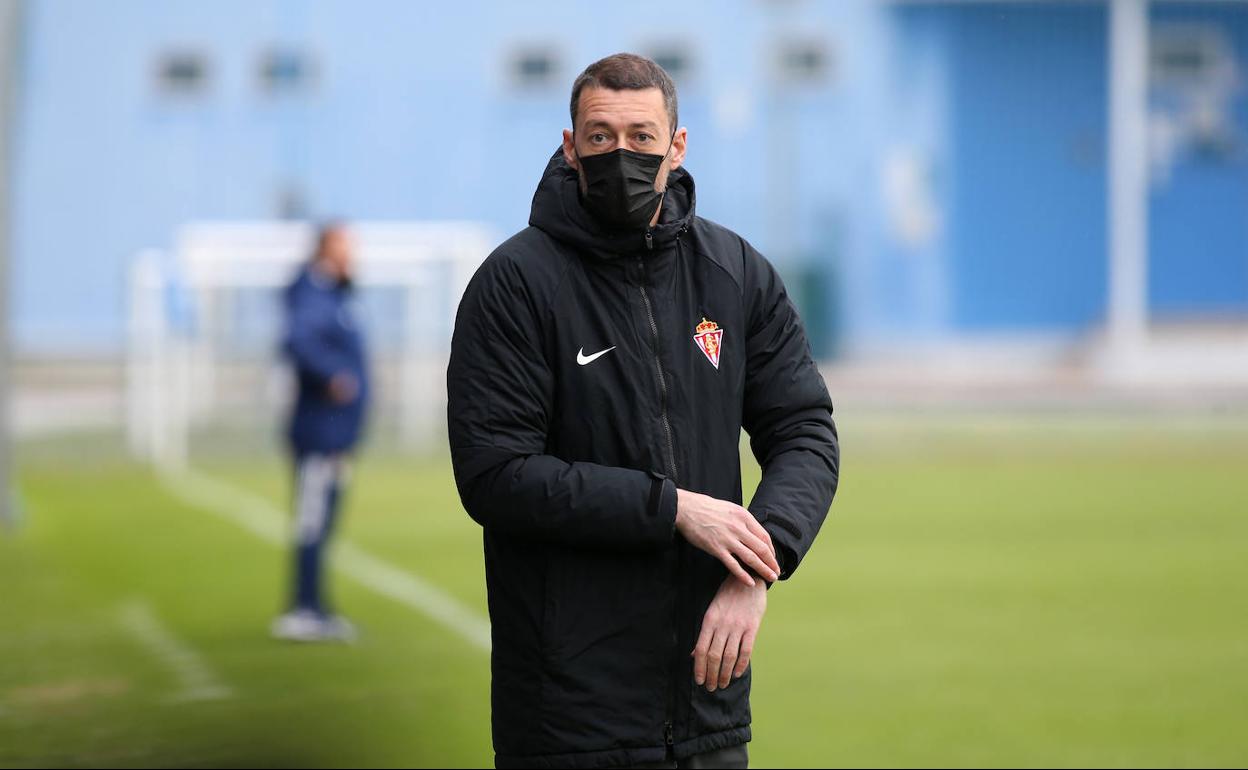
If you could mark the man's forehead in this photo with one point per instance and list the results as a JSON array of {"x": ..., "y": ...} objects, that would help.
[{"x": 622, "y": 108}]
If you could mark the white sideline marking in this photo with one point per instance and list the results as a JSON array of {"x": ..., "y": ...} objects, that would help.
[
  {"x": 263, "y": 519},
  {"x": 197, "y": 679}
]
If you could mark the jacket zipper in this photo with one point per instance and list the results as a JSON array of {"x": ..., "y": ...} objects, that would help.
[
  {"x": 668, "y": 730},
  {"x": 658, "y": 363}
]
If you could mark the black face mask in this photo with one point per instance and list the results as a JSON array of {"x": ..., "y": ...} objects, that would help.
[{"x": 619, "y": 187}]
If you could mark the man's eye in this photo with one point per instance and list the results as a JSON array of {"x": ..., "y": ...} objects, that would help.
[
  {"x": 644, "y": 137},
  {"x": 599, "y": 138}
]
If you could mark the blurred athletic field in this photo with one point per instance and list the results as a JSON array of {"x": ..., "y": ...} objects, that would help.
[{"x": 987, "y": 591}]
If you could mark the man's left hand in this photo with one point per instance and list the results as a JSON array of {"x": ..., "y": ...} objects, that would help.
[{"x": 728, "y": 632}]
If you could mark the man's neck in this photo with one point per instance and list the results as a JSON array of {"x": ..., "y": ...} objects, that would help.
[{"x": 323, "y": 275}]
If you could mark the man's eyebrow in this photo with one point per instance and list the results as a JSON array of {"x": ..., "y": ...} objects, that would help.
[{"x": 600, "y": 123}]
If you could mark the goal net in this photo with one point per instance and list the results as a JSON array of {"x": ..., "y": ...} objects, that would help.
[{"x": 205, "y": 374}]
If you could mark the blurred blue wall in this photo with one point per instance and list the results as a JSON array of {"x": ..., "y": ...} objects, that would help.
[
  {"x": 941, "y": 172},
  {"x": 1018, "y": 163},
  {"x": 1199, "y": 217},
  {"x": 1024, "y": 201}
]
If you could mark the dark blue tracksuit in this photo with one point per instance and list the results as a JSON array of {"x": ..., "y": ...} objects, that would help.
[{"x": 322, "y": 340}]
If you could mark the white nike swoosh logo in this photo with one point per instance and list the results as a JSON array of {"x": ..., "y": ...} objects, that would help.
[{"x": 583, "y": 359}]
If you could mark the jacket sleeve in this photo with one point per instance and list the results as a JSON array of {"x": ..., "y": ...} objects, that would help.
[
  {"x": 788, "y": 416},
  {"x": 305, "y": 341},
  {"x": 499, "y": 402}
]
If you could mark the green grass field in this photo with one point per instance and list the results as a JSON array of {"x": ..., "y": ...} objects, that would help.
[{"x": 1039, "y": 592}]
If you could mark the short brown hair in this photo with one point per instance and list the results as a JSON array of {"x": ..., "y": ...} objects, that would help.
[{"x": 626, "y": 71}]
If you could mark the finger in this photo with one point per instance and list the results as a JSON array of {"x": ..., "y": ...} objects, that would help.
[
  {"x": 751, "y": 560},
  {"x": 758, "y": 530},
  {"x": 730, "y": 659},
  {"x": 769, "y": 548},
  {"x": 747, "y": 650},
  {"x": 700, "y": 650},
  {"x": 736, "y": 569},
  {"x": 765, "y": 553},
  {"x": 714, "y": 657},
  {"x": 769, "y": 553}
]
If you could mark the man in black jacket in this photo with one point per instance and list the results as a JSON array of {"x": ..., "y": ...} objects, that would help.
[{"x": 604, "y": 362}]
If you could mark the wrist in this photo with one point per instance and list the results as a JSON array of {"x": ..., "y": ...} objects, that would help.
[
  {"x": 682, "y": 508},
  {"x": 759, "y": 581},
  {"x": 733, "y": 583}
]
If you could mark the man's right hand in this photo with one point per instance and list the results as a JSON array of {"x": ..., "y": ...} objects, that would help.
[{"x": 729, "y": 533}]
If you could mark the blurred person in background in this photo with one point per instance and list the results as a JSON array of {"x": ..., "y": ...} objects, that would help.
[
  {"x": 326, "y": 349},
  {"x": 603, "y": 365}
]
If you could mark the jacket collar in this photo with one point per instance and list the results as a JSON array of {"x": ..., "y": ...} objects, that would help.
[{"x": 557, "y": 210}]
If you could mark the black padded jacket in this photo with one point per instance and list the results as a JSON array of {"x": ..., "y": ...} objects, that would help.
[{"x": 591, "y": 374}]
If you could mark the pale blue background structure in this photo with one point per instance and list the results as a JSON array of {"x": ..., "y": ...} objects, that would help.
[{"x": 980, "y": 127}]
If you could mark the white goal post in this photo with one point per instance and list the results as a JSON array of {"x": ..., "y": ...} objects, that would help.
[{"x": 205, "y": 324}]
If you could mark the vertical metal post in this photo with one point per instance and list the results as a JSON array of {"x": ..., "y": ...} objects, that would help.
[{"x": 1128, "y": 177}]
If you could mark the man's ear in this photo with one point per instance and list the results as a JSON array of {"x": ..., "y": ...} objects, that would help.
[
  {"x": 678, "y": 147},
  {"x": 569, "y": 149}
]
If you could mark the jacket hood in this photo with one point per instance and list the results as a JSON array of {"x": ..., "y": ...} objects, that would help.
[{"x": 558, "y": 211}]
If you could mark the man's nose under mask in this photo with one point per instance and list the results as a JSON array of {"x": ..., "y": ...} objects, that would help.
[{"x": 619, "y": 187}]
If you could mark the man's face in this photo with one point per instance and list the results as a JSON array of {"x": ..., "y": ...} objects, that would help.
[
  {"x": 633, "y": 119},
  {"x": 337, "y": 254}
]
